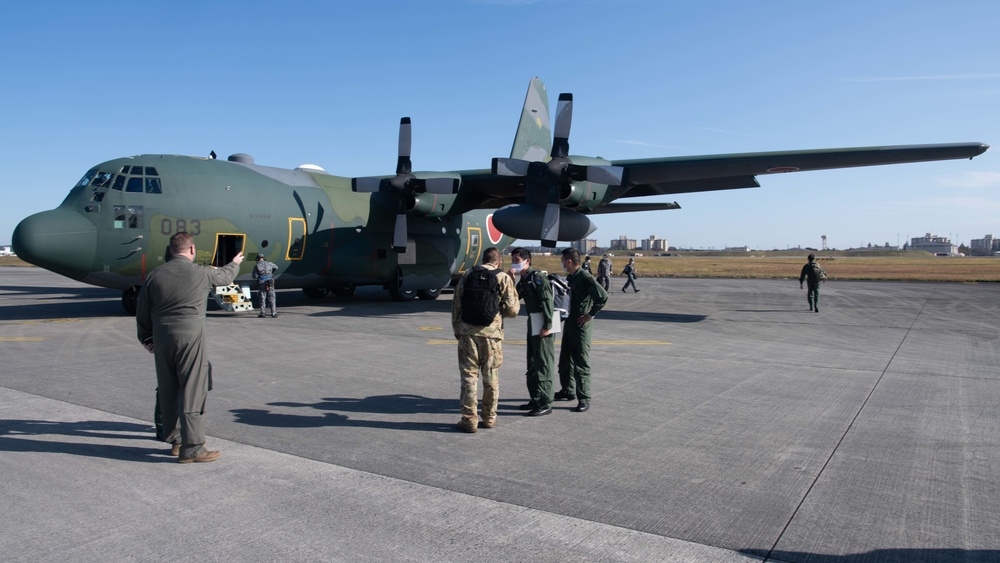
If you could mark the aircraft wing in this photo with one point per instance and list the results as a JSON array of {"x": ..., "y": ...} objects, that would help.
[
  {"x": 690, "y": 174},
  {"x": 686, "y": 174}
]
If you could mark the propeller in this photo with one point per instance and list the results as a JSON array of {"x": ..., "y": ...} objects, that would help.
[
  {"x": 403, "y": 185},
  {"x": 544, "y": 181}
]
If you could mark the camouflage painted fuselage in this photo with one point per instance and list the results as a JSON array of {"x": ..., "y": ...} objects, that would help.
[{"x": 115, "y": 225}]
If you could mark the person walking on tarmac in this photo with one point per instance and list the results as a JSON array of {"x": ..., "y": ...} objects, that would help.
[
  {"x": 586, "y": 265},
  {"x": 587, "y": 298},
  {"x": 263, "y": 272},
  {"x": 604, "y": 272},
  {"x": 536, "y": 290},
  {"x": 170, "y": 323},
  {"x": 630, "y": 273},
  {"x": 483, "y": 297},
  {"x": 812, "y": 274}
]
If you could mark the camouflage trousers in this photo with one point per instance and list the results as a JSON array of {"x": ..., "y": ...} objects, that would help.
[{"x": 478, "y": 354}]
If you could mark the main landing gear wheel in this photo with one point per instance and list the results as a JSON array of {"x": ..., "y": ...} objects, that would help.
[
  {"x": 130, "y": 297},
  {"x": 429, "y": 294},
  {"x": 398, "y": 294},
  {"x": 346, "y": 290}
]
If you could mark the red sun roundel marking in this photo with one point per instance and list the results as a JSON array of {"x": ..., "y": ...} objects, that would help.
[{"x": 493, "y": 232}]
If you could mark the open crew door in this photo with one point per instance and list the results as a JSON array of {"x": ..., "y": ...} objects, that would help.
[{"x": 227, "y": 246}]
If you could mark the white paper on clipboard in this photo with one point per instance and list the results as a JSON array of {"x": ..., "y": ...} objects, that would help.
[{"x": 537, "y": 321}]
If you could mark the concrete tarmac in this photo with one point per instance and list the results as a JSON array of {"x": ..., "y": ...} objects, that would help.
[{"x": 728, "y": 423}]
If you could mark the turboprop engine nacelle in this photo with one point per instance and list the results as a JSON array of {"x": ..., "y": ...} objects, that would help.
[{"x": 524, "y": 221}]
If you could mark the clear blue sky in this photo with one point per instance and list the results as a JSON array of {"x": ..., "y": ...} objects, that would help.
[{"x": 326, "y": 83}]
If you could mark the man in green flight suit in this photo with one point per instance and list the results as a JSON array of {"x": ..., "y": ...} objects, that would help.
[
  {"x": 170, "y": 323},
  {"x": 587, "y": 298},
  {"x": 536, "y": 290}
]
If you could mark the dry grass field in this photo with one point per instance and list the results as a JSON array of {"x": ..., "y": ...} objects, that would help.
[
  {"x": 920, "y": 268},
  {"x": 904, "y": 268}
]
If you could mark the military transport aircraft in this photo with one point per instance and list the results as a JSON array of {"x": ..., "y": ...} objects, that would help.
[{"x": 411, "y": 232}]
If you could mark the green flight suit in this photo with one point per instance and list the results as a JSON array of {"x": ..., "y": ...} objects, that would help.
[
  {"x": 587, "y": 297},
  {"x": 171, "y": 311},
  {"x": 536, "y": 290}
]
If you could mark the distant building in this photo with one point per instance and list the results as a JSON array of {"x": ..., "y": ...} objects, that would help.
[
  {"x": 6, "y": 251},
  {"x": 986, "y": 246},
  {"x": 623, "y": 243},
  {"x": 585, "y": 246},
  {"x": 737, "y": 249},
  {"x": 934, "y": 244},
  {"x": 654, "y": 244}
]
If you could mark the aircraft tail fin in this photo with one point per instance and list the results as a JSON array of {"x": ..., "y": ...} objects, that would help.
[{"x": 533, "y": 141}]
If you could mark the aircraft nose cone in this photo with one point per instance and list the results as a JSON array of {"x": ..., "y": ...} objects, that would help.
[{"x": 60, "y": 240}]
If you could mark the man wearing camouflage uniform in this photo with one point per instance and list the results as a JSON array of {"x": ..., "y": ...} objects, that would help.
[
  {"x": 479, "y": 347},
  {"x": 170, "y": 323},
  {"x": 587, "y": 298},
  {"x": 263, "y": 272},
  {"x": 536, "y": 290},
  {"x": 812, "y": 274},
  {"x": 604, "y": 272}
]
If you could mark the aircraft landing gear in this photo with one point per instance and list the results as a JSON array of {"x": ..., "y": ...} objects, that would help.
[
  {"x": 398, "y": 294},
  {"x": 429, "y": 294},
  {"x": 346, "y": 290},
  {"x": 130, "y": 298}
]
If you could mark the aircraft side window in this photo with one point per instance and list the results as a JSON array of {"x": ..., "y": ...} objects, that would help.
[
  {"x": 152, "y": 185},
  {"x": 102, "y": 179},
  {"x": 135, "y": 217},
  {"x": 126, "y": 169},
  {"x": 134, "y": 185},
  {"x": 86, "y": 178},
  {"x": 150, "y": 171},
  {"x": 119, "y": 183},
  {"x": 97, "y": 197},
  {"x": 119, "y": 216}
]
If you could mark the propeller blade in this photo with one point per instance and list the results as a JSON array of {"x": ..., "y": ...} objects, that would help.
[
  {"x": 607, "y": 175},
  {"x": 399, "y": 234},
  {"x": 403, "y": 165},
  {"x": 550, "y": 226},
  {"x": 564, "y": 119},
  {"x": 366, "y": 185},
  {"x": 510, "y": 167}
]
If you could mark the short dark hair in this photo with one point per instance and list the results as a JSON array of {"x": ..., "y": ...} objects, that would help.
[
  {"x": 811, "y": 257},
  {"x": 522, "y": 253},
  {"x": 180, "y": 242},
  {"x": 491, "y": 255},
  {"x": 571, "y": 254}
]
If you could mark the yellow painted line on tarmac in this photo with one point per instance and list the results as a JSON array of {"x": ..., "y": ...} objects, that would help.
[
  {"x": 21, "y": 339},
  {"x": 592, "y": 343},
  {"x": 41, "y": 321},
  {"x": 429, "y": 328}
]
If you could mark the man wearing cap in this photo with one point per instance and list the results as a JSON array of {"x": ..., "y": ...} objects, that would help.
[{"x": 263, "y": 272}]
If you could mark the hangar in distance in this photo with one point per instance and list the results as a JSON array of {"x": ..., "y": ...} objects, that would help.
[{"x": 409, "y": 232}]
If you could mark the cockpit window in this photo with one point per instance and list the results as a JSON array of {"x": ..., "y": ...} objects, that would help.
[
  {"x": 86, "y": 178},
  {"x": 134, "y": 184},
  {"x": 119, "y": 183},
  {"x": 152, "y": 185},
  {"x": 102, "y": 179},
  {"x": 150, "y": 171}
]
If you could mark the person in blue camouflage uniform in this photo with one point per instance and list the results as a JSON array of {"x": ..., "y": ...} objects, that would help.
[
  {"x": 604, "y": 270},
  {"x": 170, "y": 323},
  {"x": 630, "y": 274},
  {"x": 263, "y": 272},
  {"x": 480, "y": 348},
  {"x": 587, "y": 298},
  {"x": 536, "y": 290}
]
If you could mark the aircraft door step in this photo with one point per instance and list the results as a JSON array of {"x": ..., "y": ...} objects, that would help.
[{"x": 233, "y": 298}]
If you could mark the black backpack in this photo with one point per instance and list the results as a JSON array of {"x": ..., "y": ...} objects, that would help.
[
  {"x": 560, "y": 292},
  {"x": 481, "y": 296}
]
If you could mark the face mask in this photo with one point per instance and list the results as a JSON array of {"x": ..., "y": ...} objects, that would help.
[
  {"x": 517, "y": 266},
  {"x": 565, "y": 269}
]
